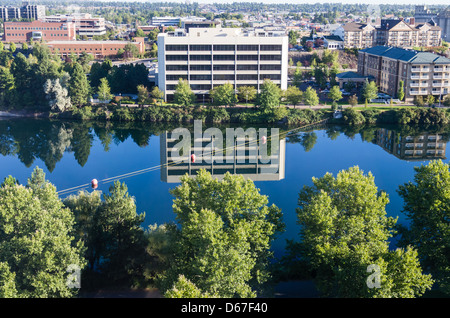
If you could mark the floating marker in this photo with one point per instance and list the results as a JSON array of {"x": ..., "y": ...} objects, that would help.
[
  {"x": 94, "y": 183},
  {"x": 264, "y": 139}
]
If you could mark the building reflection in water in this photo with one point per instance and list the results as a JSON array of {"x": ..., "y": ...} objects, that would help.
[
  {"x": 424, "y": 146},
  {"x": 248, "y": 156}
]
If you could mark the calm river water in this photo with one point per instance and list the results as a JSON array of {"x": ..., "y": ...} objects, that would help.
[{"x": 73, "y": 153}]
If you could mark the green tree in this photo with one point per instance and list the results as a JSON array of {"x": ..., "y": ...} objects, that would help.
[
  {"x": 427, "y": 206},
  {"x": 37, "y": 246},
  {"x": 183, "y": 93},
  {"x": 222, "y": 243},
  {"x": 298, "y": 75},
  {"x": 246, "y": 93},
  {"x": 401, "y": 90},
  {"x": 12, "y": 47},
  {"x": 78, "y": 86},
  {"x": 345, "y": 232},
  {"x": 157, "y": 93},
  {"x": 223, "y": 95},
  {"x": 104, "y": 91},
  {"x": 270, "y": 95},
  {"x": 294, "y": 95},
  {"x": 6, "y": 86},
  {"x": 310, "y": 97},
  {"x": 183, "y": 288},
  {"x": 112, "y": 232},
  {"x": 369, "y": 91},
  {"x": 154, "y": 50},
  {"x": 143, "y": 94},
  {"x": 335, "y": 94}
]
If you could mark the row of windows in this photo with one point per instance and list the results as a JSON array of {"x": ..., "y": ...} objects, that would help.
[
  {"x": 35, "y": 29},
  {"x": 207, "y": 87},
  {"x": 26, "y": 34},
  {"x": 224, "y": 77},
  {"x": 240, "y": 67},
  {"x": 223, "y": 57},
  {"x": 222, "y": 47}
]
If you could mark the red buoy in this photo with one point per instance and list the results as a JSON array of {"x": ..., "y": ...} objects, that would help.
[
  {"x": 264, "y": 139},
  {"x": 94, "y": 183},
  {"x": 192, "y": 158}
]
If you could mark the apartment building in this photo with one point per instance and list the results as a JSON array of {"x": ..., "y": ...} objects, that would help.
[
  {"x": 397, "y": 33},
  {"x": 21, "y": 32},
  {"x": 85, "y": 24},
  {"x": 423, "y": 73},
  {"x": 357, "y": 35},
  {"x": 209, "y": 57},
  {"x": 442, "y": 19},
  {"x": 26, "y": 11}
]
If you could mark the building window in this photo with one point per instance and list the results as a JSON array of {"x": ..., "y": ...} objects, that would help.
[
  {"x": 270, "y": 57},
  {"x": 247, "y": 47},
  {"x": 198, "y": 87},
  {"x": 224, "y": 47},
  {"x": 223, "y": 57},
  {"x": 245, "y": 67},
  {"x": 247, "y": 57},
  {"x": 200, "y": 57},
  {"x": 175, "y": 47},
  {"x": 247, "y": 77},
  {"x": 199, "y": 47},
  {"x": 176, "y": 67},
  {"x": 200, "y": 77},
  {"x": 200, "y": 67},
  {"x": 270, "y": 47},
  {"x": 176, "y": 57},
  {"x": 269, "y": 67},
  {"x": 270, "y": 76},
  {"x": 224, "y": 77},
  {"x": 223, "y": 67},
  {"x": 175, "y": 77}
]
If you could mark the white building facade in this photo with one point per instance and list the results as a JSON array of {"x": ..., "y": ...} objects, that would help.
[{"x": 210, "y": 57}]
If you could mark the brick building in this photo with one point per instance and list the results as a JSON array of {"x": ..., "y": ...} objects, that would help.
[
  {"x": 99, "y": 49},
  {"x": 20, "y": 32}
]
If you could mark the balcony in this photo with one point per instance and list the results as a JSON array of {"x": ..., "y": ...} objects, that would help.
[
  {"x": 438, "y": 84},
  {"x": 438, "y": 69},
  {"x": 414, "y": 84}
]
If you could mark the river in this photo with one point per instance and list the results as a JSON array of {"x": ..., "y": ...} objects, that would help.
[{"x": 73, "y": 153}]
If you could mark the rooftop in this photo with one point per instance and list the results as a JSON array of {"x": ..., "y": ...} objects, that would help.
[{"x": 411, "y": 56}]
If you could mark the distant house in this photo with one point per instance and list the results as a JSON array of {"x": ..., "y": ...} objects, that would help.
[{"x": 333, "y": 42}]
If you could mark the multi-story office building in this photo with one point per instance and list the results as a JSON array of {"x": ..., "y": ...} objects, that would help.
[
  {"x": 85, "y": 24},
  {"x": 26, "y": 11},
  {"x": 391, "y": 33},
  {"x": 20, "y": 32},
  {"x": 423, "y": 73},
  {"x": 209, "y": 57}
]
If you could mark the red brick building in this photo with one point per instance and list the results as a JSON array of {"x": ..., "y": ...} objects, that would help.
[
  {"x": 20, "y": 32},
  {"x": 99, "y": 49}
]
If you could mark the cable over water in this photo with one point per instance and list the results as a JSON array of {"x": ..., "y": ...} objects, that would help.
[{"x": 154, "y": 168}]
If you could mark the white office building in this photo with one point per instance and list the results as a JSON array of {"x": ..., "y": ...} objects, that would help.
[{"x": 209, "y": 57}]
